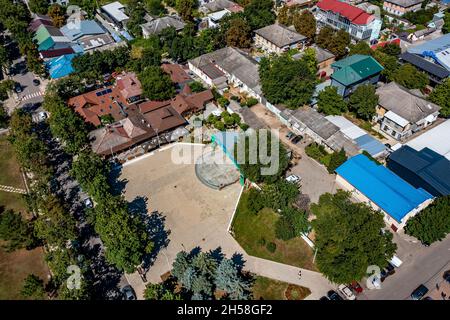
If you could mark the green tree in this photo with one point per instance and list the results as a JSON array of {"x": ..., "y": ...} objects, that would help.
[
  {"x": 5, "y": 61},
  {"x": 408, "y": 76},
  {"x": 305, "y": 24},
  {"x": 432, "y": 223},
  {"x": 238, "y": 34},
  {"x": 156, "y": 84},
  {"x": 348, "y": 238},
  {"x": 229, "y": 279},
  {"x": 56, "y": 12},
  {"x": 291, "y": 224},
  {"x": 33, "y": 287},
  {"x": 363, "y": 101},
  {"x": 389, "y": 63},
  {"x": 277, "y": 159},
  {"x": 324, "y": 37},
  {"x": 330, "y": 102},
  {"x": 15, "y": 231},
  {"x": 159, "y": 291},
  {"x": 259, "y": 13},
  {"x": 4, "y": 118},
  {"x": 337, "y": 158},
  {"x": 391, "y": 49},
  {"x": 446, "y": 26},
  {"x": 279, "y": 195},
  {"x": 285, "y": 15},
  {"x": 155, "y": 7},
  {"x": 38, "y": 6},
  {"x": 125, "y": 236},
  {"x": 186, "y": 9},
  {"x": 441, "y": 96},
  {"x": 339, "y": 43},
  {"x": 286, "y": 81},
  {"x": 309, "y": 57},
  {"x": 360, "y": 48}
]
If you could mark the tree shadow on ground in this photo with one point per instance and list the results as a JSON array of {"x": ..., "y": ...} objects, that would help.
[
  {"x": 155, "y": 223},
  {"x": 117, "y": 185}
]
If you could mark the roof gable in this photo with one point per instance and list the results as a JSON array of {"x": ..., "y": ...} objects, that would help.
[{"x": 355, "y": 68}]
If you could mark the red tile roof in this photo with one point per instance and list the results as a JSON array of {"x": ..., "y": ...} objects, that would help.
[
  {"x": 176, "y": 72},
  {"x": 129, "y": 85},
  {"x": 354, "y": 14}
]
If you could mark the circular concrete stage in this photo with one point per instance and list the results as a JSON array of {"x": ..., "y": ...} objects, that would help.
[{"x": 216, "y": 170}]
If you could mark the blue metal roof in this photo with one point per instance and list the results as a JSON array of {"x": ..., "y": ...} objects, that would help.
[
  {"x": 73, "y": 31},
  {"x": 388, "y": 191},
  {"x": 61, "y": 66},
  {"x": 370, "y": 144}
]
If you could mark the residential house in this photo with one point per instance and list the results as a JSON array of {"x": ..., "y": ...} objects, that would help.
[
  {"x": 400, "y": 7},
  {"x": 228, "y": 66},
  {"x": 301, "y": 4},
  {"x": 115, "y": 101},
  {"x": 277, "y": 38},
  {"x": 425, "y": 169},
  {"x": 50, "y": 38},
  {"x": 310, "y": 122},
  {"x": 156, "y": 25},
  {"x": 177, "y": 74},
  {"x": 382, "y": 189},
  {"x": 39, "y": 20},
  {"x": 216, "y": 10},
  {"x": 324, "y": 60},
  {"x": 87, "y": 33},
  {"x": 402, "y": 113},
  {"x": 343, "y": 16},
  {"x": 353, "y": 71},
  {"x": 435, "y": 51},
  {"x": 114, "y": 12},
  {"x": 130, "y": 87}
]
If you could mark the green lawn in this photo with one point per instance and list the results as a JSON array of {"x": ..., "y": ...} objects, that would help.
[
  {"x": 10, "y": 176},
  {"x": 254, "y": 232},
  {"x": 269, "y": 289},
  {"x": 15, "y": 266}
]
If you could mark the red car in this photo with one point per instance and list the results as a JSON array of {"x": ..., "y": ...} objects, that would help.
[{"x": 355, "y": 286}]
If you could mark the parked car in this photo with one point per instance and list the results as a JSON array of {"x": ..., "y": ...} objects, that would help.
[
  {"x": 296, "y": 139},
  {"x": 333, "y": 295},
  {"x": 446, "y": 276},
  {"x": 88, "y": 203},
  {"x": 356, "y": 287},
  {"x": 388, "y": 271},
  {"x": 290, "y": 134},
  {"x": 324, "y": 298},
  {"x": 293, "y": 178},
  {"x": 128, "y": 293},
  {"x": 17, "y": 87},
  {"x": 419, "y": 292},
  {"x": 346, "y": 292},
  {"x": 36, "y": 82}
]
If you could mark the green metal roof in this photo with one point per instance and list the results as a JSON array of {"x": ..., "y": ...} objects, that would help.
[
  {"x": 355, "y": 68},
  {"x": 41, "y": 35}
]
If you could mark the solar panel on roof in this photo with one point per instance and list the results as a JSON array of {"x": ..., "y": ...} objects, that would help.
[
  {"x": 98, "y": 94},
  {"x": 109, "y": 90}
]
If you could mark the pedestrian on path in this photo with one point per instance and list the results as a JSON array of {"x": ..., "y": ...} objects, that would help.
[{"x": 300, "y": 274}]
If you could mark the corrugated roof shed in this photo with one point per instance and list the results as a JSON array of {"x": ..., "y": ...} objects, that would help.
[
  {"x": 430, "y": 67},
  {"x": 74, "y": 31},
  {"x": 388, "y": 191},
  {"x": 61, "y": 66}
]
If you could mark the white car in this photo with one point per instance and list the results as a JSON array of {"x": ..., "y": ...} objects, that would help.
[
  {"x": 346, "y": 292},
  {"x": 293, "y": 178}
]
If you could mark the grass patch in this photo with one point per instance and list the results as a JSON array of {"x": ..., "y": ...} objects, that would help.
[
  {"x": 10, "y": 176},
  {"x": 15, "y": 266},
  {"x": 255, "y": 231},
  {"x": 269, "y": 289}
]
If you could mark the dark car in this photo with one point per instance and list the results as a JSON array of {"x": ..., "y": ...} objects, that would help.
[
  {"x": 297, "y": 139},
  {"x": 128, "y": 293},
  {"x": 334, "y": 296},
  {"x": 17, "y": 87},
  {"x": 419, "y": 292},
  {"x": 446, "y": 276},
  {"x": 36, "y": 82},
  {"x": 324, "y": 298},
  {"x": 289, "y": 135}
]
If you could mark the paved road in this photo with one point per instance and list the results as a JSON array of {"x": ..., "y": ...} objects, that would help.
[{"x": 421, "y": 265}]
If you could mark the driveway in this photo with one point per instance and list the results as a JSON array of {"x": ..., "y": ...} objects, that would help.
[
  {"x": 197, "y": 216},
  {"x": 315, "y": 178},
  {"x": 421, "y": 265}
]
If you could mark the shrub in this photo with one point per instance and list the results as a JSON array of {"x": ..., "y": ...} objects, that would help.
[
  {"x": 251, "y": 102},
  {"x": 283, "y": 229},
  {"x": 271, "y": 246},
  {"x": 196, "y": 86},
  {"x": 223, "y": 102},
  {"x": 234, "y": 98},
  {"x": 262, "y": 241},
  {"x": 219, "y": 125},
  {"x": 244, "y": 126},
  {"x": 255, "y": 201},
  {"x": 315, "y": 151}
]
